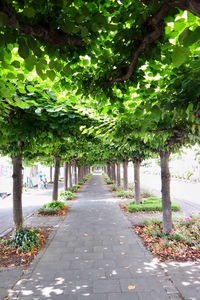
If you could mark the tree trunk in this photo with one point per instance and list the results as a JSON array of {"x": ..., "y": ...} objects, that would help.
[
  {"x": 70, "y": 176},
  {"x": 125, "y": 174},
  {"x": 79, "y": 173},
  {"x": 108, "y": 170},
  {"x": 50, "y": 174},
  {"x": 66, "y": 169},
  {"x": 75, "y": 174},
  {"x": 17, "y": 192},
  {"x": 136, "y": 163},
  {"x": 113, "y": 172},
  {"x": 166, "y": 201},
  {"x": 56, "y": 177},
  {"x": 118, "y": 175}
]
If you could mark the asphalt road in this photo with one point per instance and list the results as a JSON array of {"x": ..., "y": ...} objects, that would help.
[{"x": 32, "y": 199}]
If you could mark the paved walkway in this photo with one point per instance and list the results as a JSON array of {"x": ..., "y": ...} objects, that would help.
[{"x": 95, "y": 255}]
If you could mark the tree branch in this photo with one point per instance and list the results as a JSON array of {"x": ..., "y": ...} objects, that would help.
[
  {"x": 175, "y": 130},
  {"x": 56, "y": 37},
  {"x": 197, "y": 113},
  {"x": 156, "y": 24}
]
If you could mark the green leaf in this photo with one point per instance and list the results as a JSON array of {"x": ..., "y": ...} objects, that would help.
[
  {"x": 30, "y": 88},
  {"x": 20, "y": 77},
  {"x": 51, "y": 74},
  {"x": 16, "y": 64},
  {"x": 179, "y": 56},
  {"x": 192, "y": 37},
  {"x": 29, "y": 12},
  {"x": 3, "y": 19},
  {"x": 156, "y": 113},
  {"x": 11, "y": 75},
  {"x": 23, "y": 50},
  {"x": 30, "y": 62},
  {"x": 189, "y": 108}
]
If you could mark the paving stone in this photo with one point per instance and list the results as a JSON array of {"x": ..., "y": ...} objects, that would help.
[
  {"x": 94, "y": 255},
  {"x": 141, "y": 284},
  {"x": 124, "y": 296},
  {"x": 106, "y": 286},
  {"x": 93, "y": 297}
]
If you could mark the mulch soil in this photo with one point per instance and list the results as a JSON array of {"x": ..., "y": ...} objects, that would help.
[
  {"x": 11, "y": 257},
  {"x": 173, "y": 250}
]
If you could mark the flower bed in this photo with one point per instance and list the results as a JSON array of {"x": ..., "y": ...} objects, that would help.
[
  {"x": 21, "y": 250},
  {"x": 183, "y": 244},
  {"x": 57, "y": 208}
]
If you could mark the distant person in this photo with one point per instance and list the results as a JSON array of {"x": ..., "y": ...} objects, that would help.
[{"x": 44, "y": 181}]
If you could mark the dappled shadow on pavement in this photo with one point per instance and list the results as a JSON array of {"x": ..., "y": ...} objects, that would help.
[{"x": 95, "y": 255}]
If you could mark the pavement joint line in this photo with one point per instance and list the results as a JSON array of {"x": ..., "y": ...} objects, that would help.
[{"x": 168, "y": 278}]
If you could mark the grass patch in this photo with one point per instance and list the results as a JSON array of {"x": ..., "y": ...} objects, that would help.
[
  {"x": 150, "y": 204},
  {"x": 182, "y": 244},
  {"x": 75, "y": 188},
  {"x": 125, "y": 194},
  {"x": 114, "y": 188},
  {"x": 66, "y": 195},
  {"x": 53, "y": 208},
  {"x": 107, "y": 179}
]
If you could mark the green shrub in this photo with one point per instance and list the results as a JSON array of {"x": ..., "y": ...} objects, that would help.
[
  {"x": 125, "y": 194},
  {"x": 74, "y": 188},
  {"x": 150, "y": 204},
  {"x": 66, "y": 195},
  {"x": 51, "y": 208},
  {"x": 107, "y": 179},
  {"x": 26, "y": 239},
  {"x": 55, "y": 204},
  {"x": 175, "y": 236},
  {"x": 48, "y": 211},
  {"x": 114, "y": 188}
]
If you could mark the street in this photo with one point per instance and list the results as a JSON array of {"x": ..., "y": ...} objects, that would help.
[
  {"x": 185, "y": 193},
  {"x": 32, "y": 199}
]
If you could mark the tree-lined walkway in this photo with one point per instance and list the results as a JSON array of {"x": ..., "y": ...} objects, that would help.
[{"x": 94, "y": 255}]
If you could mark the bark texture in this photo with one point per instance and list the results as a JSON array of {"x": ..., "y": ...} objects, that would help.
[
  {"x": 75, "y": 173},
  {"x": 51, "y": 174},
  {"x": 118, "y": 175},
  {"x": 125, "y": 174},
  {"x": 66, "y": 177},
  {"x": 113, "y": 172},
  {"x": 109, "y": 170},
  {"x": 56, "y": 177},
  {"x": 79, "y": 173},
  {"x": 136, "y": 163},
  {"x": 166, "y": 200},
  {"x": 70, "y": 176},
  {"x": 17, "y": 192}
]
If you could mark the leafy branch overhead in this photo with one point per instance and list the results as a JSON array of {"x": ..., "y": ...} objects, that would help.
[
  {"x": 155, "y": 28},
  {"x": 56, "y": 37}
]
